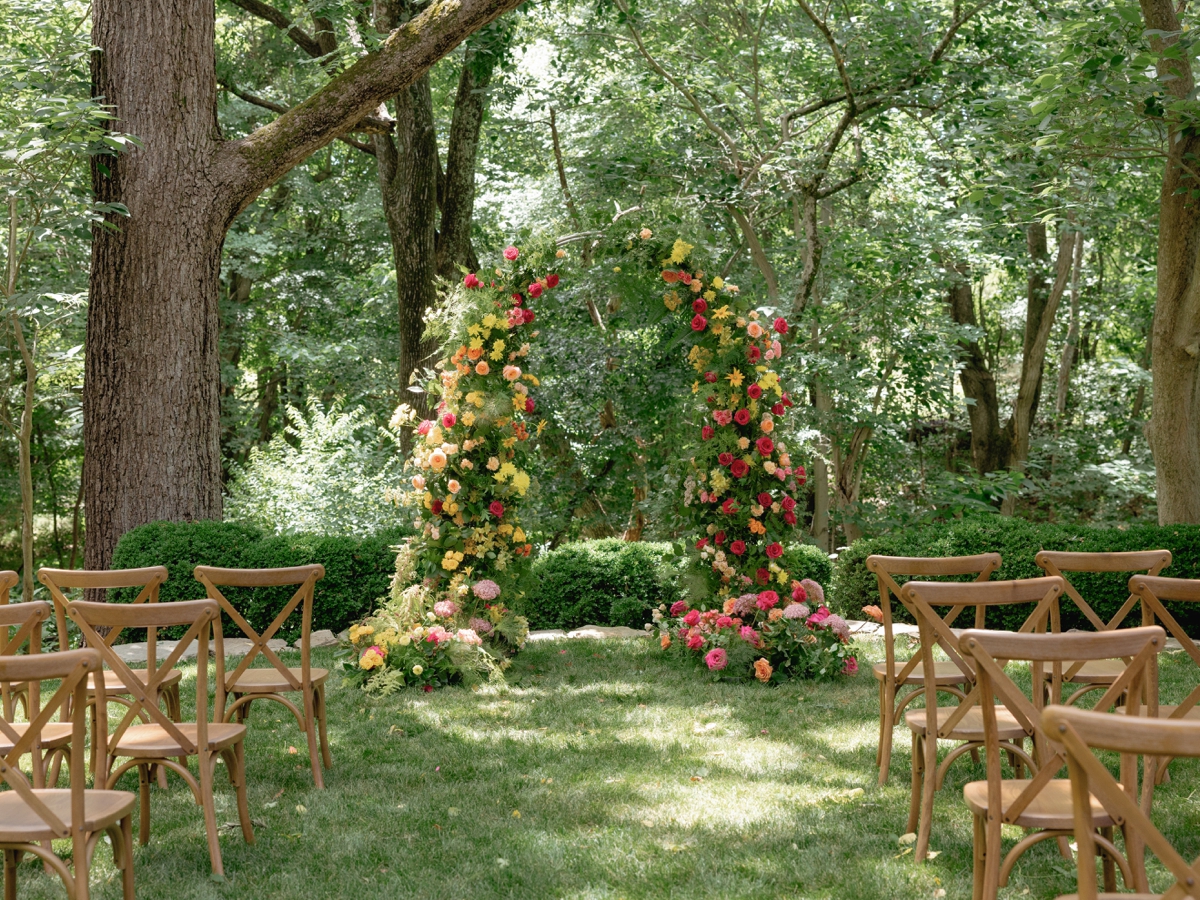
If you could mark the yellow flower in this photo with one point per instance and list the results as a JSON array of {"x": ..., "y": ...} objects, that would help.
[
  {"x": 722, "y": 313},
  {"x": 468, "y": 419},
  {"x": 490, "y": 322},
  {"x": 505, "y": 529},
  {"x": 695, "y": 387},
  {"x": 451, "y": 560},
  {"x": 680, "y": 251},
  {"x": 508, "y": 470},
  {"x": 616, "y": 268},
  {"x": 541, "y": 427},
  {"x": 518, "y": 403},
  {"x": 735, "y": 378},
  {"x": 520, "y": 481},
  {"x": 519, "y": 535},
  {"x": 418, "y": 669},
  {"x": 497, "y": 351},
  {"x": 718, "y": 282},
  {"x": 532, "y": 379},
  {"x": 671, "y": 300},
  {"x": 371, "y": 659},
  {"x": 476, "y": 343},
  {"x": 710, "y": 296}
]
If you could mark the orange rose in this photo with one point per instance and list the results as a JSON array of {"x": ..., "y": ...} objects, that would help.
[
  {"x": 475, "y": 352},
  {"x": 762, "y": 670},
  {"x": 874, "y": 612},
  {"x": 666, "y": 641},
  {"x": 482, "y": 368}
]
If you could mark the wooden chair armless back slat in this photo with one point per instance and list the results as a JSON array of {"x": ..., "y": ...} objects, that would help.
[
  {"x": 8, "y": 580},
  {"x": 58, "y": 581},
  {"x": 1123, "y": 561}
]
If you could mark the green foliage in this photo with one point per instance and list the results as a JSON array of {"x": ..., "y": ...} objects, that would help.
[
  {"x": 604, "y": 582},
  {"x": 358, "y": 570},
  {"x": 329, "y": 472},
  {"x": 1018, "y": 541}
]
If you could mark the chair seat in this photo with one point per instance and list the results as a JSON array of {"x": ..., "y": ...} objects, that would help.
[
  {"x": 1051, "y": 808},
  {"x": 1166, "y": 710},
  {"x": 1096, "y": 671},
  {"x": 114, "y": 685},
  {"x": 272, "y": 681},
  {"x": 54, "y": 735},
  {"x": 971, "y": 726},
  {"x": 19, "y": 823},
  {"x": 155, "y": 741},
  {"x": 944, "y": 672}
]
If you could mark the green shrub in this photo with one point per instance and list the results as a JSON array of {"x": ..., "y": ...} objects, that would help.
[
  {"x": 1018, "y": 542},
  {"x": 806, "y": 561},
  {"x": 605, "y": 582},
  {"x": 357, "y": 570}
]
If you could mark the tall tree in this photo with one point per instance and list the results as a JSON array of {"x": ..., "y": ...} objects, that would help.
[{"x": 152, "y": 383}]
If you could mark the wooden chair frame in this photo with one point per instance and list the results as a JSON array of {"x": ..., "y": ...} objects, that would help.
[
  {"x": 1078, "y": 731},
  {"x": 72, "y": 668},
  {"x": 312, "y": 718},
  {"x": 149, "y": 579},
  {"x": 1063, "y": 563},
  {"x": 10, "y": 694},
  {"x": 885, "y": 569},
  {"x": 199, "y": 616},
  {"x": 991, "y": 651},
  {"x": 20, "y": 626},
  {"x": 921, "y": 597}
]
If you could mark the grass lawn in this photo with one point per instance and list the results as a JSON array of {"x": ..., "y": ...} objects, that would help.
[{"x": 603, "y": 770}]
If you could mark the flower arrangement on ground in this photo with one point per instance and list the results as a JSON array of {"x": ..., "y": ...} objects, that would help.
[
  {"x": 469, "y": 475},
  {"x": 762, "y": 636},
  {"x": 741, "y": 487}
]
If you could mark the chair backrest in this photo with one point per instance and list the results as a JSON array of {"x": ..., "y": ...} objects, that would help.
[
  {"x": 1061, "y": 562},
  {"x": 305, "y": 577},
  {"x": 887, "y": 568},
  {"x": 992, "y": 650},
  {"x": 71, "y": 670},
  {"x": 1154, "y": 591},
  {"x": 59, "y": 581},
  {"x": 1079, "y": 730},
  {"x": 923, "y": 596},
  {"x": 20, "y": 626},
  {"x": 8, "y": 581},
  {"x": 197, "y": 615}
]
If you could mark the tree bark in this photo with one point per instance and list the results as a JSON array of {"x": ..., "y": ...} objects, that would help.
[
  {"x": 1067, "y": 361},
  {"x": 1174, "y": 427},
  {"x": 989, "y": 443},
  {"x": 152, "y": 376}
]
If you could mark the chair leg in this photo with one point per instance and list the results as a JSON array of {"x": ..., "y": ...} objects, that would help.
[
  {"x": 1109, "y": 866},
  {"x": 978, "y": 848},
  {"x": 10, "y": 875},
  {"x": 310, "y": 732},
  {"x": 326, "y": 756},
  {"x": 918, "y": 768},
  {"x": 236, "y": 763},
  {"x": 144, "y": 807},
  {"x": 928, "y": 784},
  {"x": 82, "y": 865},
  {"x": 887, "y": 722},
  {"x": 127, "y": 869},
  {"x": 210, "y": 812},
  {"x": 992, "y": 857}
]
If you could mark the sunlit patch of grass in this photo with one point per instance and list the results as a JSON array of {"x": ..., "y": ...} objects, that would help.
[{"x": 602, "y": 770}]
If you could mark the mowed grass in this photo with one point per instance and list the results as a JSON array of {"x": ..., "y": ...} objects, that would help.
[{"x": 604, "y": 769}]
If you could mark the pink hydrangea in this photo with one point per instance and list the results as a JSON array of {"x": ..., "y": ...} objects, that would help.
[
  {"x": 716, "y": 659},
  {"x": 745, "y": 605},
  {"x": 468, "y": 636},
  {"x": 480, "y": 626},
  {"x": 444, "y": 609},
  {"x": 795, "y": 611},
  {"x": 486, "y": 589},
  {"x": 679, "y": 607},
  {"x": 838, "y": 626},
  {"x": 815, "y": 592}
]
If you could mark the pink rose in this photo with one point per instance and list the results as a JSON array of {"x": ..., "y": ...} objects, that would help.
[
  {"x": 529, "y": 405},
  {"x": 851, "y": 667},
  {"x": 788, "y": 503},
  {"x": 511, "y": 253},
  {"x": 722, "y": 416},
  {"x": 679, "y": 607},
  {"x": 535, "y": 290},
  {"x": 699, "y": 323},
  {"x": 425, "y": 427},
  {"x": 754, "y": 392},
  {"x": 716, "y": 659},
  {"x": 695, "y": 640},
  {"x": 699, "y": 306},
  {"x": 471, "y": 281},
  {"x": 551, "y": 280},
  {"x": 692, "y": 618},
  {"x": 766, "y": 600},
  {"x": 799, "y": 594},
  {"x": 749, "y": 635},
  {"x": 448, "y": 420},
  {"x": 724, "y": 622}
]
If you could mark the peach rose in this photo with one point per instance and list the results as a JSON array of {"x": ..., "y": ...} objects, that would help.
[{"x": 482, "y": 368}]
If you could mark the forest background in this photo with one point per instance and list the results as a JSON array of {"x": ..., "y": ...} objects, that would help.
[{"x": 957, "y": 206}]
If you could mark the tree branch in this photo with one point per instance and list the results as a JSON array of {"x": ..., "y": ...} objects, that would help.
[
  {"x": 270, "y": 14},
  {"x": 256, "y": 100},
  {"x": 834, "y": 49},
  {"x": 246, "y": 167}
]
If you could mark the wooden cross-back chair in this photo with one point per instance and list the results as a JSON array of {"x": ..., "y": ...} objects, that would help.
[
  {"x": 1095, "y": 675},
  {"x": 1043, "y": 802},
  {"x": 161, "y": 742},
  {"x": 21, "y": 629},
  {"x": 30, "y": 816},
  {"x": 892, "y": 674},
  {"x": 149, "y": 579},
  {"x": 1080, "y": 731},
  {"x": 964, "y": 722},
  {"x": 246, "y": 684},
  {"x": 10, "y": 694}
]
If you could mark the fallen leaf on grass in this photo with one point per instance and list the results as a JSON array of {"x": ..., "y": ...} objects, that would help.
[
  {"x": 293, "y": 751},
  {"x": 301, "y": 808},
  {"x": 516, "y": 814},
  {"x": 933, "y": 854},
  {"x": 907, "y": 839}
]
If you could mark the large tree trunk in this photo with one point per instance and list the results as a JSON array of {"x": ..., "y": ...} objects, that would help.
[
  {"x": 152, "y": 377},
  {"x": 1070, "y": 346},
  {"x": 1174, "y": 428},
  {"x": 151, "y": 399},
  {"x": 989, "y": 443}
]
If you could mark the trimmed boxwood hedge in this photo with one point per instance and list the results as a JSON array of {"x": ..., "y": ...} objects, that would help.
[
  {"x": 616, "y": 582},
  {"x": 1018, "y": 542},
  {"x": 358, "y": 571}
]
